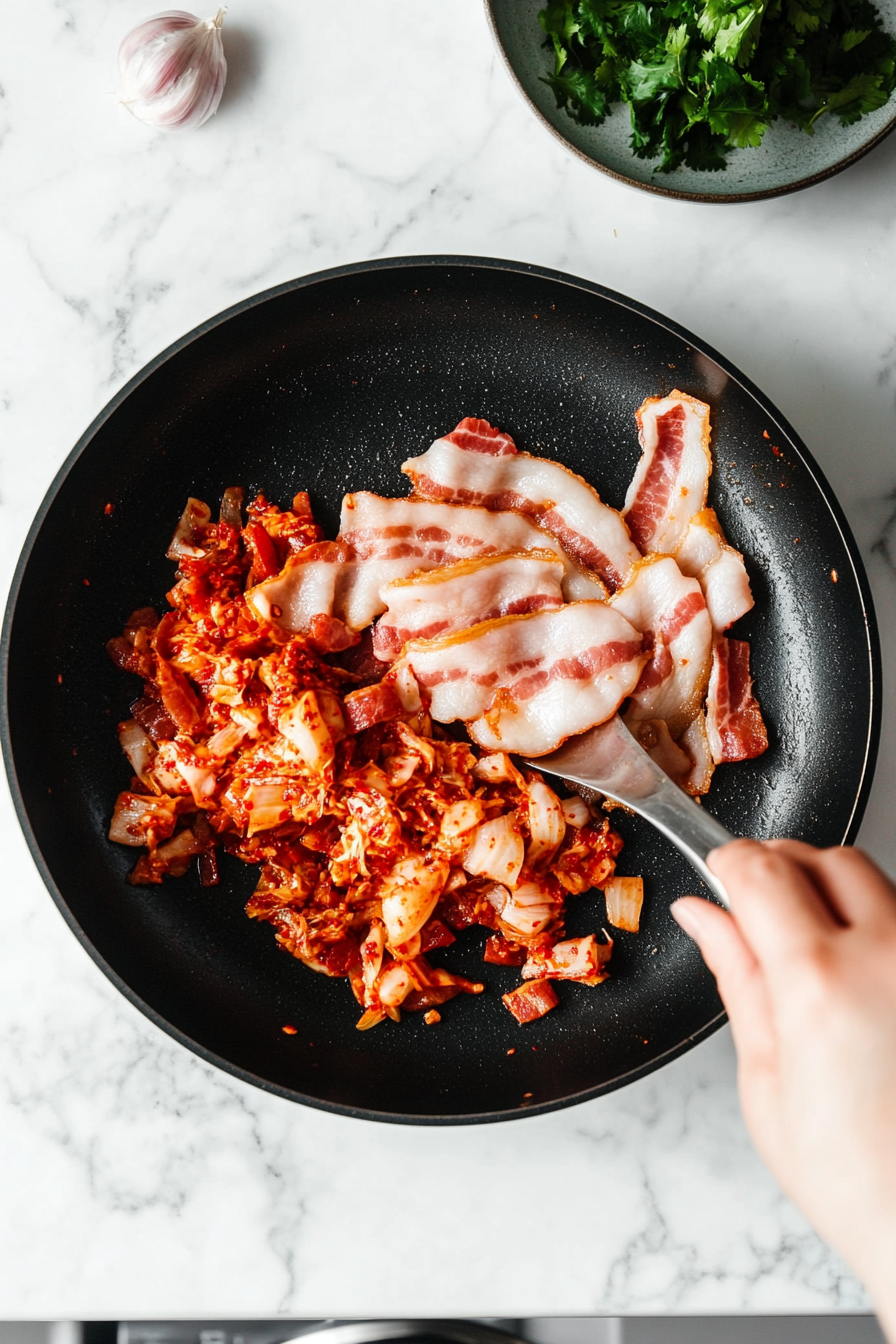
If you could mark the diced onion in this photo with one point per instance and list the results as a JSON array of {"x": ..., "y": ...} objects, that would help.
[
  {"x": 497, "y": 851},
  {"x": 625, "y": 896}
]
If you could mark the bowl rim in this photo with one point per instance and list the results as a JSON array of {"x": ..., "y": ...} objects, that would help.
[
  {"x": 407, "y": 263},
  {"x": 696, "y": 197}
]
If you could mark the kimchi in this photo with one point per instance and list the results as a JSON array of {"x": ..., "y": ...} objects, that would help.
[{"x": 378, "y": 835}]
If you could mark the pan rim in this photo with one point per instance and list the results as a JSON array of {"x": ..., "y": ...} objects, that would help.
[{"x": 447, "y": 262}]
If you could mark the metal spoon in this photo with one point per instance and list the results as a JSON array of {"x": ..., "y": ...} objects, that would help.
[{"x": 608, "y": 760}]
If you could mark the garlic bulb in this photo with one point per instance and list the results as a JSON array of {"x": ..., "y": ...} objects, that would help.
[{"x": 172, "y": 69}]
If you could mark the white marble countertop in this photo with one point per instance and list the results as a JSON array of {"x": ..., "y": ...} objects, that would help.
[{"x": 138, "y": 1181}]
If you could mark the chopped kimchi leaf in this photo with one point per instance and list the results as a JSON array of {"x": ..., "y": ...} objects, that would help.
[
  {"x": 625, "y": 896},
  {"x": 531, "y": 1000}
]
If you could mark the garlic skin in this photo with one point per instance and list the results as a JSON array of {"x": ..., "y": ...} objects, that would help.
[{"x": 172, "y": 69}]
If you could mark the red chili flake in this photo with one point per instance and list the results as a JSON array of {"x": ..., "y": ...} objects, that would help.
[
  {"x": 526, "y": 1095},
  {"x": 86, "y": 583},
  {"x": 432, "y": 1017},
  {"x": 109, "y": 510},
  {"x": 765, "y": 433},
  {"x": 535, "y": 1047},
  {"x": 275, "y": 610},
  {"x": 796, "y": 541},
  {"x": 512, "y": 1050},
  {"x": 835, "y": 578},
  {"x": 671, "y": 366},
  {"x": 59, "y": 678},
  {"x": 777, "y": 451},
  {"x": 289, "y": 1029}
]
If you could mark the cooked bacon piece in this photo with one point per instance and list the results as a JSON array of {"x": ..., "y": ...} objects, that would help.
[
  {"x": 454, "y": 597},
  {"x": 576, "y": 959},
  {"x": 478, "y": 436},
  {"x": 733, "y": 717},
  {"x": 558, "y": 500},
  {"x": 370, "y": 705},
  {"x": 469, "y": 905},
  {"x": 154, "y": 719},
  {"x": 670, "y": 482},
  {"x": 435, "y": 934},
  {"x": 624, "y": 897},
  {"x": 662, "y": 603},
  {"x": 526, "y": 683},
  {"x": 705, "y": 555},
  {"x": 499, "y": 951},
  {"x": 531, "y": 1000}
]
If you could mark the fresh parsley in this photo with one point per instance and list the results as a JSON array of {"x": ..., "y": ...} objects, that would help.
[{"x": 703, "y": 77}]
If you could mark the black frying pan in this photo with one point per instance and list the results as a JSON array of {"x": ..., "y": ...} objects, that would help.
[{"x": 328, "y": 383}]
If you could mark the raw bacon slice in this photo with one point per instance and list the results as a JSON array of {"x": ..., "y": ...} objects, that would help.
[
  {"x": 670, "y": 482},
  {"x": 455, "y": 597},
  {"x": 331, "y": 590},
  {"x": 395, "y": 537},
  {"x": 660, "y": 601},
  {"x": 311, "y": 592},
  {"x": 478, "y": 436},
  {"x": 526, "y": 683},
  {"x": 733, "y": 717},
  {"x": 705, "y": 555},
  {"x": 458, "y": 469}
]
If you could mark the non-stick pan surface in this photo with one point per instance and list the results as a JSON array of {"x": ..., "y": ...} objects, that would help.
[{"x": 327, "y": 384}]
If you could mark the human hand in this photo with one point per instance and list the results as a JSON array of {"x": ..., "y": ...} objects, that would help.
[{"x": 806, "y": 968}]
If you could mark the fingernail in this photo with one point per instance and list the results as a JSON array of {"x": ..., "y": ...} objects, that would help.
[{"x": 684, "y": 915}]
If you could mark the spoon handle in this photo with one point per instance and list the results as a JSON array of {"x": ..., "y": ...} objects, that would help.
[{"x": 608, "y": 761}]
